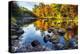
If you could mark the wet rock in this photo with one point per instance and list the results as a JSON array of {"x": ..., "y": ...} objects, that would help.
[
  {"x": 50, "y": 30},
  {"x": 54, "y": 39},
  {"x": 69, "y": 28},
  {"x": 46, "y": 38},
  {"x": 35, "y": 43},
  {"x": 14, "y": 37},
  {"x": 29, "y": 48},
  {"x": 73, "y": 43},
  {"x": 34, "y": 46},
  {"x": 19, "y": 32},
  {"x": 60, "y": 46},
  {"x": 37, "y": 46},
  {"x": 61, "y": 32},
  {"x": 22, "y": 49},
  {"x": 14, "y": 45},
  {"x": 16, "y": 31}
]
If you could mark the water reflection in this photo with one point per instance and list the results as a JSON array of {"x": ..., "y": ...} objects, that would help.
[{"x": 32, "y": 34}]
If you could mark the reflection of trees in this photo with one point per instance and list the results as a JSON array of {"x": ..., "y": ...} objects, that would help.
[
  {"x": 59, "y": 15},
  {"x": 20, "y": 15}
]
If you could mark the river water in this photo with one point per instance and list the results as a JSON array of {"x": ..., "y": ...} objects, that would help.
[{"x": 30, "y": 34}]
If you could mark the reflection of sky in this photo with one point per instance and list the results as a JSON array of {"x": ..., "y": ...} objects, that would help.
[
  {"x": 32, "y": 34},
  {"x": 28, "y": 5}
]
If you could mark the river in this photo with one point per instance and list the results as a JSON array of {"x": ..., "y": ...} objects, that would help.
[{"x": 30, "y": 34}]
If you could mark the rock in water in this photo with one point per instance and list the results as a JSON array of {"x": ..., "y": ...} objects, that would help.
[
  {"x": 35, "y": 43},
  {"x": 46, "y": 38},
  {"x": 16, "y": 31}
]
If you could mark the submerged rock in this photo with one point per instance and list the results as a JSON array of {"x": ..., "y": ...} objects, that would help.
[
  {"x": 35, "y": 43},
  {"x": 46, "y": 38},
  {"x": 36, "y": 46}
]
